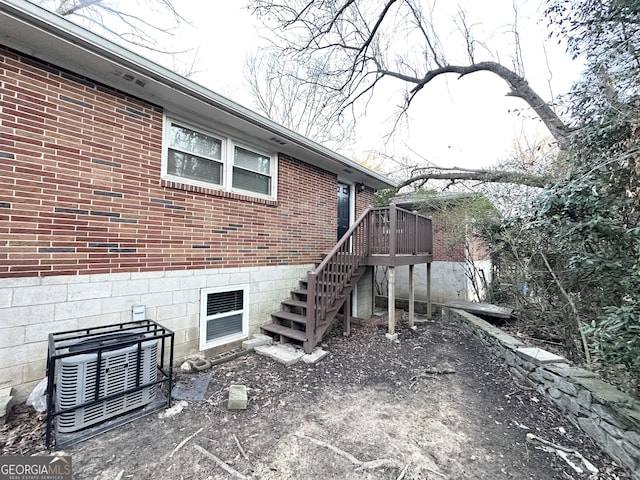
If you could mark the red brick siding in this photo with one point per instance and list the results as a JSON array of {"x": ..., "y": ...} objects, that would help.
[
  {"x": 478, "y": 249},
  {"x": 443, "y": 250},
  {"x": 364, "y": 200},
  {"x": 80, "y": 189}
]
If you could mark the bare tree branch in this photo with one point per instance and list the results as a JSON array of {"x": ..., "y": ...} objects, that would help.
[
  {"x": 355, "y": 40},
  {"x": 119, "y": 21},
  {"x": 65, "y": 10},
  {"x": 287, "y": 93},
  {"x": 465, "y": 28},
  {"x": 491, "y": 176},
  {"x": 519, "y": 88}
]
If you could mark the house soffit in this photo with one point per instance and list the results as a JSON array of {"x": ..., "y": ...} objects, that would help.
[{"x": 39, "y": 33}]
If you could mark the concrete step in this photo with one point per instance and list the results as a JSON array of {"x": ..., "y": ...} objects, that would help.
[
  {"x": 286, "y": 354},
  {"x": 257, "y": 340}
]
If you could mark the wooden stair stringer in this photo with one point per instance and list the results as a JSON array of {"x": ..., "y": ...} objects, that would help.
[
  {"x": 311, "y": 343},
  {"x": 290, "y": 326}
]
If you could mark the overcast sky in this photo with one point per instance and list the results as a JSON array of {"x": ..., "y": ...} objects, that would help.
[{"x": 466, "y": 123}]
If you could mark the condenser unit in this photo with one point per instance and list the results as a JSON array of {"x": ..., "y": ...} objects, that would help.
[{"x": 105, "y": 367}]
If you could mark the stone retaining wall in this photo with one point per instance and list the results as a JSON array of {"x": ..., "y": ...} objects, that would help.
[{"x": 610, "y": 417}]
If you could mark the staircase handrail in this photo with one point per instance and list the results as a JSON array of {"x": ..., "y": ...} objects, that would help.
[
  {"x": 346, "y": 237},
  {"x": 317, "y": 305},
  {"x": 397, "y": 231}
]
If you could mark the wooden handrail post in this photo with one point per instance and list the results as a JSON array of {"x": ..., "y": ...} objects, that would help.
[
  {"x": 393, "y": 229},
  {"x": 366, "y": 245},
  {"x": 311, "y": 306},
  {"x": 417, "y": 232}
]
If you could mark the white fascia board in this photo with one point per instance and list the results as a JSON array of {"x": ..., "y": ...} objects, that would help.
[{"x": 38, "y": 32}]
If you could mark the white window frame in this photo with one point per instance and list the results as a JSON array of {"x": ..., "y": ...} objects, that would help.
[
  {"x": 231, "y": 165},
  {"x": 204, "y": 345},
  {"x": 227, "y": 159}
]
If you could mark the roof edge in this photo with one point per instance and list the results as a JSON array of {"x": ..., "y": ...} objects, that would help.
[{"x": 94, "y": 44}]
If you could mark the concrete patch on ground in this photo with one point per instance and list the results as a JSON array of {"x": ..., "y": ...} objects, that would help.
[
  {"x": 192, "y": 388},
  {"x": 315, "y": 356},
  {"x": 285, "y": 353},
  {"x": 257, "y": 340}
]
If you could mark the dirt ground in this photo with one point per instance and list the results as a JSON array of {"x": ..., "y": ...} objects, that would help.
[{"x": 433, "y": 406}]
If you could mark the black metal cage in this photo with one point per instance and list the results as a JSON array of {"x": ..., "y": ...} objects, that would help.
[{"x": 102, "y": 377}]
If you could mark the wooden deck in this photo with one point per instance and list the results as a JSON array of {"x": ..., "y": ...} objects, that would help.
[
  {"x": 385, "y": 260},
  {"x": 383, "y": 236}
]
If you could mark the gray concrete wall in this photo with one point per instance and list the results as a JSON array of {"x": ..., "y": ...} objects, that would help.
[
  {"x": 365, "y": 295},
  {"x": 33, "y": 307},
  {"x": 448, "y": 281}
]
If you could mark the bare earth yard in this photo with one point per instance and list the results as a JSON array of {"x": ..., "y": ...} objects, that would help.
[{"x": 433, "y": 406}]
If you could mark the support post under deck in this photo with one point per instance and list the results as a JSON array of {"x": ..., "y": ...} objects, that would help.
[
  {"x": 429, "y": 290},
  {"x": 412, "y": 298},
  {"x": 392, "y": 300},
  {"x": 346, "y": 322}
]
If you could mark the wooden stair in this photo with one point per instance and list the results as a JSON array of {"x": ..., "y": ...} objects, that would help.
[
  {"x": 311, "y": 311},
  {"x": 289, "y": 324}
]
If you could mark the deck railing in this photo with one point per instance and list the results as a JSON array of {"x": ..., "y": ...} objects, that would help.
[
  {"x": 395, "y": 231},
  {"x": 379, "y": 231}
]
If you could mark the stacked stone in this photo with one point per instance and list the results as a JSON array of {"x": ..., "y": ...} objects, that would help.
[{"x": 610, "y": 417}]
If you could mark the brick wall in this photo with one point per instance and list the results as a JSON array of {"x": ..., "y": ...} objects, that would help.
[
  {"x": 364, "y": 200},
  {"x": 443, "y": 249},
  {"x": 478, "y": 249},
  {"x": 81, "y": 190}
]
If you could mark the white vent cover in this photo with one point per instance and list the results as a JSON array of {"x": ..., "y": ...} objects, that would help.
[{"x": 76, "y": 382}]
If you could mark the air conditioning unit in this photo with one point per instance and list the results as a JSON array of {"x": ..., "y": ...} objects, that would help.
[{"x": 120, "y": 365}]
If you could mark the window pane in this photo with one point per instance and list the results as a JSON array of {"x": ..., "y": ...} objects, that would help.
[
  {"x": 252, "y": 161},
  {"x": 195, "y": 142},
  {"x": 222, "y": 302},
  {"x": 224, "y": 326},
  {"x": 195, "y": 168},
  {"x": 253, "y": 182}
]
